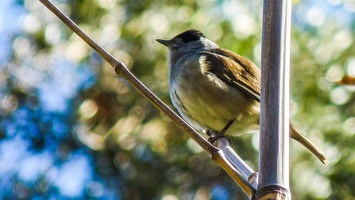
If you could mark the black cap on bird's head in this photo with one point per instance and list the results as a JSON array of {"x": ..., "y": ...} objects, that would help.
[
  {"x": 190, "y": 35},
  {"x": 188, "y": 41},
  {"x": 184, "y": 37}
]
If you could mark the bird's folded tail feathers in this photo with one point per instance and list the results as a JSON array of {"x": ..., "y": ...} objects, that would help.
[{"x": 316, "y": 151}]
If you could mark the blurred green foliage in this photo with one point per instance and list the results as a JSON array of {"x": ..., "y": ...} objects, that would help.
[{"x": 133, "y": 148}]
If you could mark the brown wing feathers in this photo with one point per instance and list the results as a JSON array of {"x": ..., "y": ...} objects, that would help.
[{"x": 240, "y": 73}]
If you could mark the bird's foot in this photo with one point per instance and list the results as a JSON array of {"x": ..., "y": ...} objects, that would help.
[{"x": 213, "y": 136}]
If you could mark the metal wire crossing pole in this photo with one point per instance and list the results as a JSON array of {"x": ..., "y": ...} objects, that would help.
[{"x": 274, "y": 131}]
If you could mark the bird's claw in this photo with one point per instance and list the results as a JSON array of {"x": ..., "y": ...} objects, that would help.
[
  {"x": 213, "y": 139},
  {"x": 215, "y": 136}
]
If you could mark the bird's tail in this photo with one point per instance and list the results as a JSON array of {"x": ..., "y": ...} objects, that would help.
[{"x": 316, "y": 151}]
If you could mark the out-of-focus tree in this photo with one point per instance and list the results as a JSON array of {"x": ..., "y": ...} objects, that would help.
[{"x": 70, "y": 128}]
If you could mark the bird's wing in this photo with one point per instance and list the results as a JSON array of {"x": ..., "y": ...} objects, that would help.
[{"x": 240, "y": 73}]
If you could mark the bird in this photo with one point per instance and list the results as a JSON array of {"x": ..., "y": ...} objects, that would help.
[{"x": 216, "y": 90}]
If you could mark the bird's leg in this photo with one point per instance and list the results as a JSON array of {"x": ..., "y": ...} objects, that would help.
[{"x": 215, "y": 136}]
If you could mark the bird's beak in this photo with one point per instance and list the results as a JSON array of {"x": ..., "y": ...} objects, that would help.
[{"x": 165, "y": 42}]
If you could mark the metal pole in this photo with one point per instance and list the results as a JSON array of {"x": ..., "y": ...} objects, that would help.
[{"x": 274, "y": 131}]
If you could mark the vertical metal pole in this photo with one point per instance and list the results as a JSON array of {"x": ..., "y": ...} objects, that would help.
[{"x": 274, "y": 131}]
